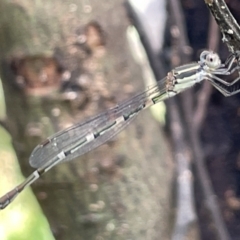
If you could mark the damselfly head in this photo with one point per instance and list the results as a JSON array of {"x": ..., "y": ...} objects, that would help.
[
  {"x": 213, "y": 61},
  {"x": 210, "y": 59}
]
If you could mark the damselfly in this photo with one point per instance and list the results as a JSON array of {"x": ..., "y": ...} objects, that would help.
[{"x": 83, "y": 137}]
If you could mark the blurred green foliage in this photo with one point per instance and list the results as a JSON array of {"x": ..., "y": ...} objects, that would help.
[{"x": 23, "y": 218}]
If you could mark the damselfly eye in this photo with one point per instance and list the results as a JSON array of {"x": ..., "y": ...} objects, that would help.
[{"x": 212, "y": 60}]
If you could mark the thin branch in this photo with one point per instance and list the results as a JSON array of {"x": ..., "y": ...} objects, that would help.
[
  {"x": 193, "y": 133},
  {"x": 199, "y": 116},
  {"x": 227, "y": 24},
  {"x": 186, "y": 220},
  {"x": 206, "y": 90}
]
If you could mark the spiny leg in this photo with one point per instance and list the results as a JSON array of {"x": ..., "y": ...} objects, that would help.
[
  {"x": 226, "y": 67},
  {"x": 226, "y": 71},
  {"x": 224, "y": 82},
  {"x": 224, "y": 91}
]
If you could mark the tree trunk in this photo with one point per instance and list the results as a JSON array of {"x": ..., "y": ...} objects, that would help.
[{"x": 120, "y": 190}]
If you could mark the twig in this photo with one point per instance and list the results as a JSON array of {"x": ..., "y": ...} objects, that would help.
[
  {"x": 203, "y": 176},
  {"x": 186, "y": 220},
  {"x": 204, "y": 94},
  {"x": 210, "y": 197},
  {"x": 227, "y": 24},
  {"x": 193, "y": 134}
]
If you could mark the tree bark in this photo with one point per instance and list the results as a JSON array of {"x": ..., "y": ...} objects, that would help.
[{"x": 120, "y": 190}]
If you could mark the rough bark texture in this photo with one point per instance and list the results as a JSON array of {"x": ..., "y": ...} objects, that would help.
[{"x": 121, "y": 190}]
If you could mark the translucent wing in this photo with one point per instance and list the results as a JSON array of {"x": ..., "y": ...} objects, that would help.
[{"x": 83, "y": 137}]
